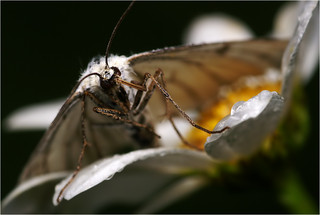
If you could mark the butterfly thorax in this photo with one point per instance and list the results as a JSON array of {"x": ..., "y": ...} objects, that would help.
[
  {"x": 106, "y": 88},
  {"x": 117, "y": 96}
]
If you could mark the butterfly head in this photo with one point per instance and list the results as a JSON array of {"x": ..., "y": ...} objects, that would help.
[
  {"x": 111, "y": 73},
  {"x": 109, "y": 77}
]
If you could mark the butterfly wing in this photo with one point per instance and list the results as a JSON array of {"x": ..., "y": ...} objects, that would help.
[
  {"x": 195, "y": 73},
  {"x": 39, "y": 162},
  {"x": 60, "y": 147}
]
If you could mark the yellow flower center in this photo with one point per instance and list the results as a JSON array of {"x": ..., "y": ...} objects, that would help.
[{"x": 221, "y": 108}]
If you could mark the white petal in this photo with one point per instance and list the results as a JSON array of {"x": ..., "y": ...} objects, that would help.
[
  {"x": 147, "y": 188},
  {"x": 173, "y": 193},
  {"x": 284, "y": 27},
  {"x": 285, "y": 24},
  {"x": 308, "y": 56},
  {"x": 169, "y": 136},
  {"x": 38, "y": 116},
  {"x": 289, "y": 58},
  {"x": 30, "y": 196},
  {"x": 250, "y": 122},
  {"x": 216, "y": 28},
  {"x": 106, "y": 168},
  {"x": 286, "y": 20}
]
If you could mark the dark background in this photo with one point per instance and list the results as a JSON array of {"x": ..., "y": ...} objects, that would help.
[{"x": 45, "y": 44}]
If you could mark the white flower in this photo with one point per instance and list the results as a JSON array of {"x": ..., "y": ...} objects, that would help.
[{"x": 249, "y": 122}]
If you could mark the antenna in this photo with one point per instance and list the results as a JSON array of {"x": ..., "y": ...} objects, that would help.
[{"x": 114, "y": 32}]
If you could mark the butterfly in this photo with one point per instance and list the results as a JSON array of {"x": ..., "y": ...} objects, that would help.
[{"x": 117, "y": 100}]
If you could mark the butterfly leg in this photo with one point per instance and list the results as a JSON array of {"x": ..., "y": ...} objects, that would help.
[
  {"x": 84, "y": 146},
  {"x": 84, "y": 139},
  {"x": 138, "y": 96},
  {"x": 143, "y": 103},
  {"x": 115, "y": 114},
  {"x": 160, "y": 76},
  {"x": 167, "y": 96},
  {"x": 118, "y": 115}
]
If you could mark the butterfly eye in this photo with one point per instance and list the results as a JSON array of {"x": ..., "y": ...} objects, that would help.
[
  {"x": 111, "y": 73},
  {"x": 116, "y": 71},
  {"x": 108, "y": 74}
]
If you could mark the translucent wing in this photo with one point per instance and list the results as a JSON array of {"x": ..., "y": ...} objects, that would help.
[
  {"x": 195, "y": 73},
  {"x": 60, "y": 147}
]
